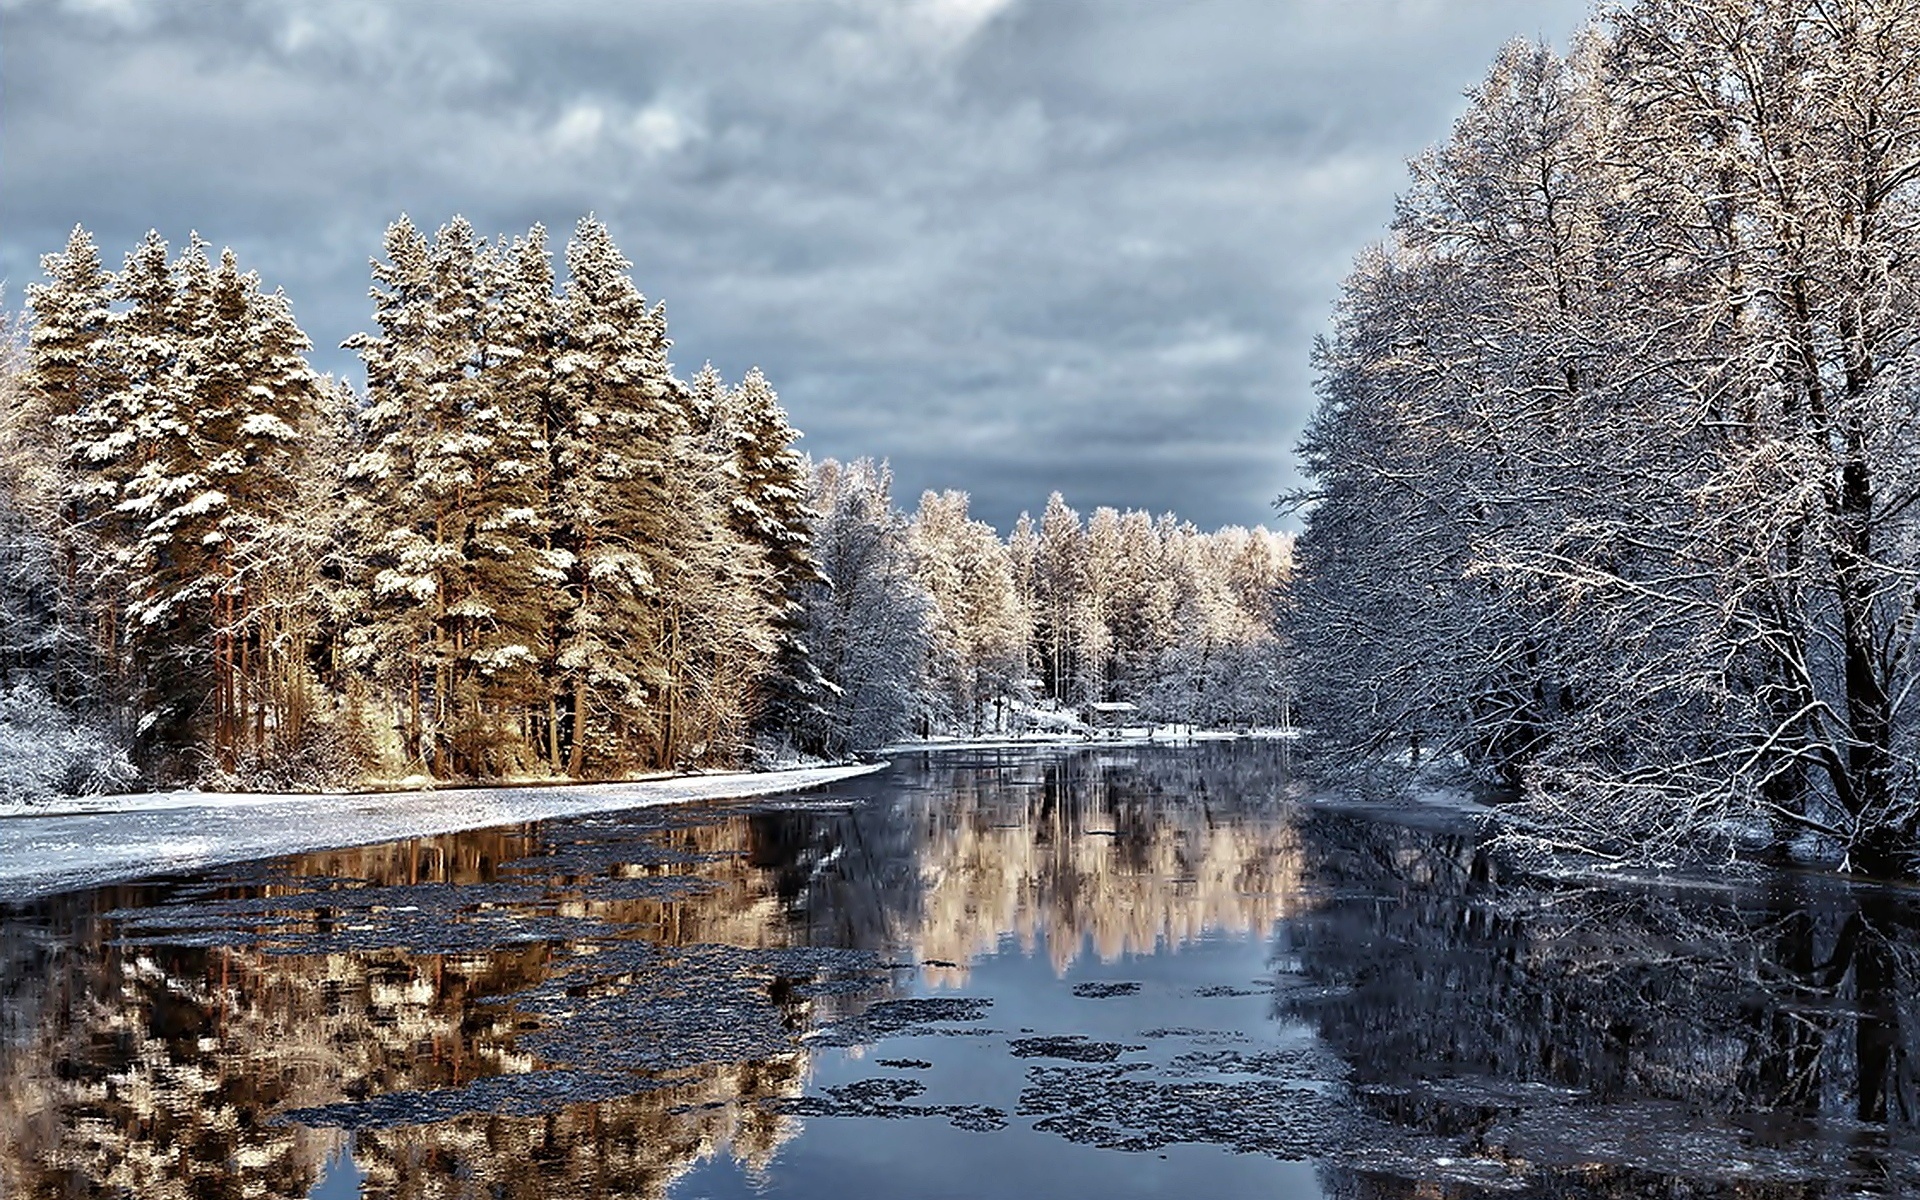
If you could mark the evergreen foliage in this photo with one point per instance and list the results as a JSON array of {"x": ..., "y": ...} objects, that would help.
[
  {"x": 525, "y": 549},
  {"x": 769, "y": 513}
]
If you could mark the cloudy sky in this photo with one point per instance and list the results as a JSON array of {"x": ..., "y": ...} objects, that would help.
[{"x": 1010, "y": 245}]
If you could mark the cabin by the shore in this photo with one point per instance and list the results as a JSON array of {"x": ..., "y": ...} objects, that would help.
[{"x": 1110, "y": 717}]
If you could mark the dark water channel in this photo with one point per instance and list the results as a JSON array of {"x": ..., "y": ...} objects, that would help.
[{"x": 1106, "y": 973}]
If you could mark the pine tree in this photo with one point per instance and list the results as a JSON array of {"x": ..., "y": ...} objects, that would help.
[
  {"x": 770, "y": 512},
  {"x": 719, "y": 636},
  {"x": 403, "y": 542},
  {"x": 161, "y": 490},
  {"x": 71, "y": 390},
  {"x": 454, "y": 488},
  {"x": 616, "y": 408},
  {"x": 868, "y": 621},
  {"x": 529, "y": 584},
  {"x": 978, "y": 629},
  {"x": 220, "y": 390},
  {"x": 1061, "y": 594},
  {"x": 254, "y": 432},
  {"x": 497, "y": 614}
]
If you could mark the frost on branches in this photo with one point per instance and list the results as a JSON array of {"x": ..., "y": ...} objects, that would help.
[
  {"x": 527, "y": 549},
  {"x": 1616, "y": 460},
  {"x": 1010, "y": 634}
]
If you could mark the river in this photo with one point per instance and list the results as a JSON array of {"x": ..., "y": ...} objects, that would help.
[{"x": 1106, "y": 972}]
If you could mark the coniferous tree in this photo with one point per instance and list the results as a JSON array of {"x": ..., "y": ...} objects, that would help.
[
  {"x": 531, "y": 570},
  {"x": 1061, "y": 593},
  {"x": 719, "y": 634},
  {"x": 867, "y": 621},
  {"x": 68, "y": 377},
  {"x": 978, "y": 633},
  {"x": 617, "y": 410},
  {"x": 402, "y": 553},
  {"x": 498, "y": 616},
  {"x": 453, "y": 489},
  {"x": 78, "y": 371},
  {"x": 770, "y": 513}
]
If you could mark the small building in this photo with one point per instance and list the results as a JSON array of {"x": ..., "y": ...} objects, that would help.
[{"x": 1110, "y": 716}]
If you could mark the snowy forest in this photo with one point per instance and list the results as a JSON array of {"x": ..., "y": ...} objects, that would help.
[
  {"x": 524, "y": 549},
  {"x": 1615, "y": 467}
]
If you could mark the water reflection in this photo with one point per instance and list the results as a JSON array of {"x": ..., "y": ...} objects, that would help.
[
  {"x": 1130, "y": 972},
  {"x": 1109, "y": 854},
  {"x": 1605, "y": 1041},
  {"x": 594, "y": 1006}
]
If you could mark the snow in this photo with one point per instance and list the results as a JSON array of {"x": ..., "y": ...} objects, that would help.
[
  {"x": 111, "y": 839},
  {"x": 1131, "y": 735}
]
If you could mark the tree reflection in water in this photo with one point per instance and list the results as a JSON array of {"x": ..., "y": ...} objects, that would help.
[
  {"x": 157, "y": 1037},
  {"x": 1615, "y": 1040},
  {"x": 597, "y": 1007},
  {"x": 156, "y": 1069}
]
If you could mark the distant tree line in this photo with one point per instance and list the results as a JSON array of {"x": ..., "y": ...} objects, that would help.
[
  {"x": 527, "y": 548},
  {"x": 933, "y": 623},
  {"x": 1615, "y": 468}
]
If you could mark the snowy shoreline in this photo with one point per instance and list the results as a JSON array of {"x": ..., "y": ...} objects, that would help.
[
  {"x": 124, "y": 838},
  {"x": 1165, "y": 735}
]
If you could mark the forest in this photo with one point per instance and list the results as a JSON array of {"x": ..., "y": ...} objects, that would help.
[
  {"x": 1614, "y": 470},
  {"x": 524, "y": 549}
]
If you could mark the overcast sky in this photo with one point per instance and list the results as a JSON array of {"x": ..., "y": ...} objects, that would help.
[{"x": 1010, "y": 246}]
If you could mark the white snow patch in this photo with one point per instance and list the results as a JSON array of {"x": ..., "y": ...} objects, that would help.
[
  {"x": 106, "y": 839},
  {"x": 1132, "y": 735}
]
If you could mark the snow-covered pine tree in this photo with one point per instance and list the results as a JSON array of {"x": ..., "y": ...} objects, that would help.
[
  {"x": 978, "y": 629},
  {"x": 616, "y": 413},
  {"x": 770, "y": 512},
  {"x": 165, "y": 313},
  {"x": 867, "y": 622},
  {"x": 498, "y": 615},
  {"x": 1060, "y": 587},
  {"x": 216, "y": 423},
  {"x": 259, "y": 402},
  {"x": 302, "y": 572},
  {"x": 718, "y": 634},
  {"x": 452, "y": 485},
  {"x": 705, "y": 398},
  {"x": 530, "y": 572},
  {"x": 403, "y": 548},
  {"x": 69, "y": 394}
]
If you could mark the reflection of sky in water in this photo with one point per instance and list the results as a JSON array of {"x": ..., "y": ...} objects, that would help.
[
  {"x": 868, "y": 1156},
  {"x": 340, "y": 1179},
  {"x": 1124, "y": 973}
]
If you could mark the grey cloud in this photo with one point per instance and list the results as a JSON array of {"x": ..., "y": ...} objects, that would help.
[{"x": 1011, "y": 246}]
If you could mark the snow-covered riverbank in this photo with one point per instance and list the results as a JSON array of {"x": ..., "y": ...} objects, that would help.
[
  {"x": 109, "y": 839},
  {"x": 1132, "y": 735}
]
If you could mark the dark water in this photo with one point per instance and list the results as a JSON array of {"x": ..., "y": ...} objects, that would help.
[{"x": 1121, "y": 973}]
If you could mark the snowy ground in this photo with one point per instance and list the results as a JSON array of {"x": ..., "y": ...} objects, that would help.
[
  {"x": 116, "y": 838},
  {"x": 1132, "y": 735}
]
